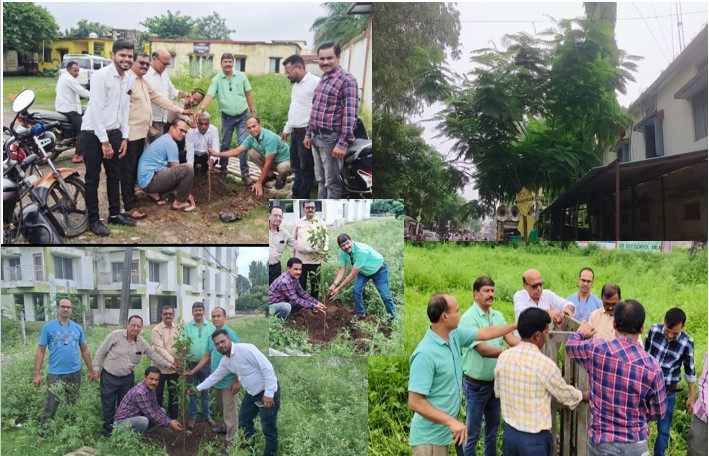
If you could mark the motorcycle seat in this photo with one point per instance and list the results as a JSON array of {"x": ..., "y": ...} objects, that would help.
[
  {"x": 50, "y": 116},
  {"x": 358, "y": 150}
]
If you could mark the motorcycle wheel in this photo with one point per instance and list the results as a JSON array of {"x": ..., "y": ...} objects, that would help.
[{"x": 74, "y": 219}]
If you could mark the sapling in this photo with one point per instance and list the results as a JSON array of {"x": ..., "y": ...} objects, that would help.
[
  {"x": 182, "y": 348},
  {"x": 318, "y": 239}
]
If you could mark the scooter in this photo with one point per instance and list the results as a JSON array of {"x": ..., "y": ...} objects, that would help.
[
  {"x": 356, "y": 173},
  {"x": 60, "y": 191}
]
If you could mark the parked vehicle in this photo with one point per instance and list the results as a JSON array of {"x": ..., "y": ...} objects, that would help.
[
  {"x": 66, "y": 135},
  {"x": 87, "y": 65},
  {"x": 356, "y": 171},
  {"x": 60, "y": 192}
]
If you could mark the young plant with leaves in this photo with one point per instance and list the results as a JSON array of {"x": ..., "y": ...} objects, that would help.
[{"x": 182, "y": 349}]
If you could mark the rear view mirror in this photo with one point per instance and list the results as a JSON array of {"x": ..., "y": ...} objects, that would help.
[{"x": 23, "y": 100}]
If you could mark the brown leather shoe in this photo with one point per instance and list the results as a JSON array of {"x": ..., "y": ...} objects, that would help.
[{"x": 248, "y": 181}]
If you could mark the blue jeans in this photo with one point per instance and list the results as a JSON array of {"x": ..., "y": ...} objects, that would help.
[
  {"x": 280, "y": 310},
  {"x": 196, "y": 379},
  {"x": 664, "y": 425},
  {"x": 617, "y": 448},
  {"x": 518, "y": 443},
  {"x": 269, "y": 420},
  {"x": 301, "y": 162},
  {"x": 228, "y": 126},
  {"x": 481, "y": 403},
  {"x": 381, "y": 281}
]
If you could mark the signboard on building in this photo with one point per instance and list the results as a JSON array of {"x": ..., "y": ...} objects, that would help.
[{"x": 200, "y": 48}]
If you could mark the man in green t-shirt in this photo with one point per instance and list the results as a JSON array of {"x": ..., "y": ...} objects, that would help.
[
  {"x": 266, "y": 149},
  {"x": 200, "y": 332},
  {"x": 367, "y": 264},
  {"x": 479, "y": 361},
  {"x": 436, "y": 374}
]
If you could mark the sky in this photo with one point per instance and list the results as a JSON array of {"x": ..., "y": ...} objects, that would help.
[
  {"x": 484, "y": 24},
  {"x": 263, "y": 21},
  {"x": 249, "y": 254}
]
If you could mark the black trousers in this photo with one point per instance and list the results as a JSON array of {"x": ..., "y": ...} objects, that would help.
[
  {"x": 75, "y": 119},
  {"x": 172, "y": 408},
  {"x": 113, "y": 389},
  {"x": 93, "y": 158},
  {"x": 203, "y": 162},
  {"x": 274, "y": 270},
  {"x": 314, "y": 280},
  {"x": 129, "y": 172}
]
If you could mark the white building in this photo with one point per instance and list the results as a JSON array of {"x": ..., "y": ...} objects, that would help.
[
  {"x": 33, "y": 277},
  {"x": 333, "y": 212}
]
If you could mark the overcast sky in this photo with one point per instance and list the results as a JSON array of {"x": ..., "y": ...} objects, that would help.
[
  {"x": 638, "y": 32},
  {"x": 262, "y": 21},
  {"x": 249, "y": 254}
]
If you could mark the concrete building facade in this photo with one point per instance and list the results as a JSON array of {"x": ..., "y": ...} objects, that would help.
[{"x": 33, "y": 278}]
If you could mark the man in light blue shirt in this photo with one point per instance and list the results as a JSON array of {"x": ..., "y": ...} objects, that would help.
[
  {"x": 436, "y": 377},
  {"x": 584, "y": 301}
]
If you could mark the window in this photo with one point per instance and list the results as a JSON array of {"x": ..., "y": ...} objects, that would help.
[
  {"x": 652, "y": 132},
  {"x": 63, "y": 268},
  {"x": 112, "y": 302},
  {"x": 699, "y": 113},
  {"x": 117, "y": 272},
  {"x": 186, "y": 279},
  {"x": 47, "y": 54},
  {"x": 38, "y": 267},
  {"x": 38, "y": 302},
  {"x": 14, "y": 270},
  {"x": 154, "y": 271},
  {"x": 622, "y": 151},
  {"x": 240, "y": 63},
  {"x": 93, "y": 302},
  {"x": 274, "y": 65},
  {"x": 136, "y": 302}
]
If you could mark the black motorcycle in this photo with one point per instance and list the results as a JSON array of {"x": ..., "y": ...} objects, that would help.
[
  {"x": 66, "y": 135},
  {"x": 61, "y": 191},
  {"x": 356, "y": 171}
]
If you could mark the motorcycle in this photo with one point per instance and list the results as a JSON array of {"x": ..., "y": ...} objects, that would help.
[
  {"x": 67, "y": 136},
  {"x": 356, "y": 173},
  {"x": 60, "y": 191}
]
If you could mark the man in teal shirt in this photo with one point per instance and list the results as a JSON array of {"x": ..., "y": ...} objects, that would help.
[
  {"x": 435, "y": 378},
  {"x": 266, "y": 150},
  {"x": 479, "y": 361},
  {"x": 233, "y": 93},
  {"x": 367, "y": 264},
  {"x": 228, "y": 387},
  {"x": 200, "y": 332}
]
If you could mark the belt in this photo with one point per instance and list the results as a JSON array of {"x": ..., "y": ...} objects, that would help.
[
  {"x": 299, "y": 130},
  {"x": 325, "y": 131},
  {"x": 479, "y": 382},
  {"x": 227, "y": 116}
]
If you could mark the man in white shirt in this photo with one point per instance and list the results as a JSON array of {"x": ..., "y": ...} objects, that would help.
[
  {"x": 161, "y": 83},
  {"x": 104, "y": 130},
  {"x": 67, "y": 101},
  {"x": 255, "y": 373},
  {"x": 534, "y": 295},
  {"x": 198, "y": 142},
  {"x": 301, "y": 103}
]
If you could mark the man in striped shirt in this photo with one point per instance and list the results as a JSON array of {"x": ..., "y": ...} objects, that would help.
[
  {"x": 672, "y": 348},
  {"x": 525, "y": 381},
  {"x": 627, "y": 386},
  {"x": 332, "y": 120},
  {"x": 286, "y": 295}
]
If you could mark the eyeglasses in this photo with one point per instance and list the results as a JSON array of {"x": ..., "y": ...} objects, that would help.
[
  {"x": 168, "y": 314},
  {"x": 229, "y": 85},
  {"x": 143, "y": 64},
  {"x": 536, "y": 285},
  {"x": 310, "y": 207}
]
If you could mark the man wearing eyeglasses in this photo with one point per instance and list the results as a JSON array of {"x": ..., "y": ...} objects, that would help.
[
  {"x": 584, "y": 301},
  {"x": 233, "y": 93},
  {"x": 161, "y": 83},
  {"x": 534, "y": 295},
  {"x": 301, "y": 232},
  {"x": 64, "y": 338},
  {"x": 164, "y": 336},
  {"x": 142, "y": 97},
  {"x": 160, "y": 171}
]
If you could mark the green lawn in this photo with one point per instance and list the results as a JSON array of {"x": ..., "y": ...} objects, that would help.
[
  {"x": 43, "y": 89},
  {"x": 658, "y": 281},
  {"x": 319, "y": 395}
]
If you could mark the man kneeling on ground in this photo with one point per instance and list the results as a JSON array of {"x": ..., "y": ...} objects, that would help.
[
  {"x": 140, "y": 406},
  {"x": 160, "y": 171}
]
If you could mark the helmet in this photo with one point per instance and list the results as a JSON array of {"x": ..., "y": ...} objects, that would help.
[
  {"x": 48, "y": 140},
  {"x": 13, "y": 151}
]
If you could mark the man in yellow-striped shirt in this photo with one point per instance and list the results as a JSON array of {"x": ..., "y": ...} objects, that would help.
[{"x": 525, "y": 381}]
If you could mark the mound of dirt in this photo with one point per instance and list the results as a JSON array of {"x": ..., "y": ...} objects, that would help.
[
  {"x": 322, "y": 329},
  {"x": 172, "y": 441}
]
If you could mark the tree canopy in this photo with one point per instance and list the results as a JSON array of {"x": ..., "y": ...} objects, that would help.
[
  {"x": 258, "y": 274},
  {"x": 212, "y": 27},
  {"x": 337, "y": 26},
  {"x": 84, "y": 28},
  {"x": 26, "y": 26},
  {"x": 175, "y": 25},
  {"x": 243, "y": 285}
]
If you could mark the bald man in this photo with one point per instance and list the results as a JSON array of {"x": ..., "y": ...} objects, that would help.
[
  {"x": 159, "y": 80},
  {"x": 534, "y": 295}
]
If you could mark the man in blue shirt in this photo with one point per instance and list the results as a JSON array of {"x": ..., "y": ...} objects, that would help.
[
  {"x": 266, "y": 149},
  {"x": 584, "y": 301},
  {"x": 64, "y": 338},
  {"x": 160, "y": 171}
]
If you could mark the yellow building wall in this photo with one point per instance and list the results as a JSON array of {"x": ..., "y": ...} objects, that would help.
[{"x": 97, "y": 46}]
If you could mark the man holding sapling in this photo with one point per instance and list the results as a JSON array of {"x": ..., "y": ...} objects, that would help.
[
  {"x": 286, "y": 296},
  {"x": 435, "y": 380},
  {"x": 164, "y": 336},
  {"x": 140, "y": 407},
  {"x": 225, "y": 390},
  {"x": 263, "y": 393}
]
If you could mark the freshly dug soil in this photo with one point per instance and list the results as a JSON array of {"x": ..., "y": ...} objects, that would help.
[
  {"x": 322, "y": 329},
  {"x": 201, "y": 434}
]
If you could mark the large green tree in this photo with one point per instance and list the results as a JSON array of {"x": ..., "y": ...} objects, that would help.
[
  {"x": 84, "y": 28},
  {"x": 212, "y": 27},
  {"x": 258, "y": 274},
  {"x": 26, "y": 26},
  {"x": 337, "y": 26},
  {"x": 411, "y": 42},
  {"x": 170, "y": 25}
]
